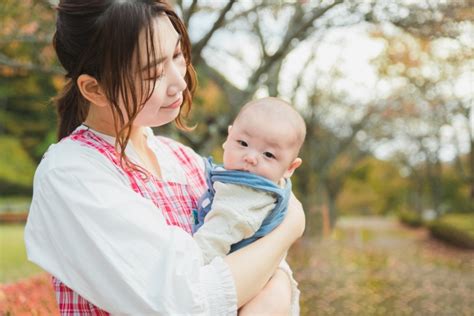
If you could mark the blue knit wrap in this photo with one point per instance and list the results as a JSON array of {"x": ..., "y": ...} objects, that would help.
[{"x": 217, "y": 173}]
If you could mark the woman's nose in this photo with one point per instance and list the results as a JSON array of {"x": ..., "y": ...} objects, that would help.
[{"x": 177, "y": 82}]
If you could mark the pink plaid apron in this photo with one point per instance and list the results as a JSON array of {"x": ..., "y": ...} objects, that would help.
[{"x": 175, "y": 200}]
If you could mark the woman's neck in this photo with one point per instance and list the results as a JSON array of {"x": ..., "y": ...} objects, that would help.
[
  {"x": 138, "y": 138},
  {"x": 137, "y": 135},
  {"x": 101, "y": 120}
]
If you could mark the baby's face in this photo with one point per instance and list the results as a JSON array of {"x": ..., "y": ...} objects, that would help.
[{"x": 260, "y": 147}]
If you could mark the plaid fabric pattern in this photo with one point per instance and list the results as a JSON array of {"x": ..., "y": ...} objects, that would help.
[
  {"x": 72, "y": 304},
  {"x": 175, "y": 200}
]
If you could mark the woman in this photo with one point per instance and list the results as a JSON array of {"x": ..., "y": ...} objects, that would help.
[{"x": 111, "y": 209}]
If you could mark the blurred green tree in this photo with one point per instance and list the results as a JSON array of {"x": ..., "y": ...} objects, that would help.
[{"x": 428, "y": 69}]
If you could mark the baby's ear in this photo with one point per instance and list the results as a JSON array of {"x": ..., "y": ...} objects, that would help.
[
  {"x": 228, "y": 132},
  {"x": 295, "y": 164}
]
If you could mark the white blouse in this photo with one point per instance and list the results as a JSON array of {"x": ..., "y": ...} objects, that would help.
[{"x": 111, "y": 246}]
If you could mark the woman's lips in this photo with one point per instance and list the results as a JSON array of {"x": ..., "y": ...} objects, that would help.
[{"x": 175, "y": 104}]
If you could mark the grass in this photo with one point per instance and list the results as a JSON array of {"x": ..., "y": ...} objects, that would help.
[{"x": 13, "y": 262}]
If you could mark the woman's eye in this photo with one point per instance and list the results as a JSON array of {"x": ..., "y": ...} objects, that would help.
[
  {"x": 178, "y": 54},
  {"x": 153, "y": 74},
  {"x": 154, "y": 78},
  {"x": 269, "y": 155},
  {"x": 242, "y": 143}
]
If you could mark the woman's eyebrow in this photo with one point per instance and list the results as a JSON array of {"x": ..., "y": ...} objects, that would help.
[{"x": 158, "y": 61}]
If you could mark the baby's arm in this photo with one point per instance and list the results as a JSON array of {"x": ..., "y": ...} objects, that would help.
[{"x": 236, "y": 213}]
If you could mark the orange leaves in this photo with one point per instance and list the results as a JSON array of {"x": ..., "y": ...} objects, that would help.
[
  {"x": 210, "y": 96},
  {"x": 58, "y": 81},
  {"x": 29, "y": 28},
  {"x": 33, "y": 296}
]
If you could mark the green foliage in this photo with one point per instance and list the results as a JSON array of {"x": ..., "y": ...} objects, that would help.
[
  {"x": 15, "y": 199},
  {"x": 13, "y": 262},
  {"x": 373, "y": 187},
  {"x": 456, "y": 192},
  {"x": 457, "y": 229},
  {"x": 16, "y": 166},
  {"x": 29, "y": 75},
  {"x": 410, "y": 218},
  {"x": 27, "y": 113}
]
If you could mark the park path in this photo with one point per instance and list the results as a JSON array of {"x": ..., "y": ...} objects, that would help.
[{"x": 376, "y": 266}]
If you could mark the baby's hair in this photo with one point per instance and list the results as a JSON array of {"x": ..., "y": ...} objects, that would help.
[
  {"x": 100, "y": 38},
  {"x": 275, "y": 108}
]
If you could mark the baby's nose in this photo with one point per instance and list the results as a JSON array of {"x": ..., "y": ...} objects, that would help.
[{"x": 250, "y": 159}]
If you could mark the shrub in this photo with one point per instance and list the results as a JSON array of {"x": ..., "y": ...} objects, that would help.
[
  {"x": 411, "y": 219},
  {"x": 457, "y": 229},
  {"x": 16, "y": 167}
]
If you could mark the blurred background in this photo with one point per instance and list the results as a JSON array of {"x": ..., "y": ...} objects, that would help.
[{"x": 387, "y": 181}]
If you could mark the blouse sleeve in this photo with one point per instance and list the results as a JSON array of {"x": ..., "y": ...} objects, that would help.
[{"x": 114, "y": 248}]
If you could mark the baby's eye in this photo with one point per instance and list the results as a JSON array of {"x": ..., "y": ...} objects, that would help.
[
  {"x": 242, "y": 143},
  {"x": 269, "y": 155}
]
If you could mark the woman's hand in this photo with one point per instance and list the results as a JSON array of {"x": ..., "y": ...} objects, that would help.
[
  {"x": 273, "y": 300},
  {"x": 295, "y": 218}
]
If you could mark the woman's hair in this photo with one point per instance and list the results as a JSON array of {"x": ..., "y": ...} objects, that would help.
[{"x": 101, "y": 38}]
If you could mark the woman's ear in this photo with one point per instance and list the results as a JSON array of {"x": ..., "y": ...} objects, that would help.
[
  {"x": 295, "y": 164},
  {"x": 91, "y": 90}
]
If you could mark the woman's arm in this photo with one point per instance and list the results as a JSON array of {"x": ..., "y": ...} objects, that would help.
[
  {"x": 252, "y": 266},
  {"x": 273, "y": 300},
  {"x": 280, "y": 296}
]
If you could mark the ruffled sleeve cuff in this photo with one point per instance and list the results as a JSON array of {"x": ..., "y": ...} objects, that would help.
[
  {"x": 218, "y": 282},
  {"x": 295, "y": 292}
]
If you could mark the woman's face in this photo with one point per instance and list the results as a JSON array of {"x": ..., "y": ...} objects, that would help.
[{"x": 170, "y": 68}]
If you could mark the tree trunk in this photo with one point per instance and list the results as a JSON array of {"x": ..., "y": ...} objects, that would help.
[
  {"x": 471, "y": 171},
  {"x": 330, "y": 192}
]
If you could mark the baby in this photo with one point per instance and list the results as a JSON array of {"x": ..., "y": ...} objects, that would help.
[{"x": 248, "y": 196}]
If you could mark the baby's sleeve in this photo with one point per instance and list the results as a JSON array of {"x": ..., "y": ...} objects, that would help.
[{"x": 236, "y": 213}]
